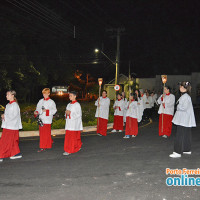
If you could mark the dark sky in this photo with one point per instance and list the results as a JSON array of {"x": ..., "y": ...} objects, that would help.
[{"x": 160, "y": 36}]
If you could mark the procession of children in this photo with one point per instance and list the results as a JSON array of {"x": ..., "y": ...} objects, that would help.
[{"x": 129, "y": 113}]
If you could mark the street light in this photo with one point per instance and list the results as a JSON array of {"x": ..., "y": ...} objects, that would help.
[{"x": 97, "y": 51}]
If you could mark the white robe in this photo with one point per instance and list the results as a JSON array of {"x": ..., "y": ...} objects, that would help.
[
  {"x": 132, "y": 110},
  {"x": 184, "y": 115},
  {"x": 103, "y": 110},
  {"x": 50, "y": 106},
  {"x": 12, "y": 117},
  {"x": 149, "y": 100},
  {"x": 125, "y": 109},
  {"x": 140, "y": 108},
  {"x": 74, "y": 120},
  {"x": 169, "y": 101},
  {"x": 119, "y": 111}
]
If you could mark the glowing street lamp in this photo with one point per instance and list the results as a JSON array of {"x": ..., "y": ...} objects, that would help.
[{"x": 96, "y": 50}]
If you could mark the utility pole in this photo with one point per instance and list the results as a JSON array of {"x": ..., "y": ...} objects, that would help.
[
  {"x": 117, "y": 61},
  {"x": 117, "y": 58}
]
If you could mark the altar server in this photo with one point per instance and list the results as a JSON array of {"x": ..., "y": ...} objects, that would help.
[
  {"x": 118, "y": 114},
  {"x": 132, "y": 116},
  {"x": 11, "y": 123},
  {"x": 147, "y": 105},
  {"x": 46, "y": 108},
  {"x": 184, "y": 119},
  {"x": 140, "y": 105},
  {"x": 102, "y": 113},
  {"x": 124, "y": 99},
  {"x": 166, "y": 112},
  {"x": 73, "y": 126}
]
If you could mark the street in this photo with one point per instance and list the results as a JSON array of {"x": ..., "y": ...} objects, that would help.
[{"x": 106, "y": 168}]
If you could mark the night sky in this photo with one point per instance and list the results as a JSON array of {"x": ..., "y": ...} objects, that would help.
[{"x": 159, "y": 36}]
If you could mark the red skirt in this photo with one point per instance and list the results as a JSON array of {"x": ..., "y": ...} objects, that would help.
[
  {"x": 9, "y": 143},
  {"x": 167, "y": 125},
  {"x": 72, "y": 141},
  {"x": 131, "y": 126},
  {"x": 45, "y": 137},
  {"x": 118, "y": 122},
  {"x": 102, "y": 126}
]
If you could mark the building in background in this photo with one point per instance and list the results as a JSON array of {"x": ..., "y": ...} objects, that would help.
[
  {"x": 59, "y": 90},
  {"x": 156, "y": 84}
]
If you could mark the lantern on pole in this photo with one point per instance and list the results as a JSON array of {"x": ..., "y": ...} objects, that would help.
[
  {"x": 164, "y": 80},
  {"x": 100, "y": 80}
]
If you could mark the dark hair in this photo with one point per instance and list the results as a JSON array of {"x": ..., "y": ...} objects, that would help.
[
  {"x": 73, "y": 92},
  {"x": 119, "y": 94},
  {"x": 134, "y": 95},
  {"x": 139, "y": 94},
  {"x": 104, "y": 91},
  {"x": 187, "y": 86},
  {"x": 168, "y": 87}
]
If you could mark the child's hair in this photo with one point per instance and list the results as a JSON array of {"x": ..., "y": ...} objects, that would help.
[
  {"x": 139, "y": 93},
  {"x": 187, "y": 86},
  {"x": 73, "y": 92},
  {"x": 119, "y": 94},
  {"x": 13, "y": 92},
  {"x": 104, "y": 91},
  {"x": 46, "y": 90},
  {"x": 168, "y": 87},
  {"x": 134, "y": 95}
]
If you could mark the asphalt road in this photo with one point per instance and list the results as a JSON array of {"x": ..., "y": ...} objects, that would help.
[{"x": 106, "y": 168}]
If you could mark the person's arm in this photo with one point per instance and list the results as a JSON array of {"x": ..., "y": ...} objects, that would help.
[
  {"x": 38, "y": 108},
  {"x": 114, "y": 105},
  {"x": 52, "y": 110},
  {"x": 160, "y": 100},
  {"x": 76, "y": 112},
  {"x": 96, "y": 102},
  {"x": 121, "y": 107},
  {"x": 170, "y": 102},
  {"x": 183, "y": 104}
]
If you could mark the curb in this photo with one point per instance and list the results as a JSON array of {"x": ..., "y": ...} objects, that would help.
[{"x": 55, "y": 132}]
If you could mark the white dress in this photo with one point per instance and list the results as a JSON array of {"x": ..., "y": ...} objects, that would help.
[
  {"x": 12, "y": 117},
  {"x": 74, "y": 120},
  {"x": 184, "y": 115},
  {"x": 103, "y": 110}
]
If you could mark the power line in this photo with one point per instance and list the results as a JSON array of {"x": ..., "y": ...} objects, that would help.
[
  {"x": 44, "y": 17},
  {"x": 39, "y": 8},
  {"x": 35, "y": 16}
]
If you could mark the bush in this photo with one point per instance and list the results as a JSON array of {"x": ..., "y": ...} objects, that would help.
[{"x": 88, "y": 115}]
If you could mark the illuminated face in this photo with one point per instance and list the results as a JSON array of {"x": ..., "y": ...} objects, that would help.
[
  {"x": 104, "y": 94},
  {"x": 166, "y": 91},
  {"x": 131, "y": 97},
  {"x": 46, "y": 95},
  {"x": 136, "y": 92},
  {"x": 119, "y": 96},
  {"x": 123, "y": 94},
  {"x": 9, "y": 96},
  {"x": 72, "y": 97},
  {"x": 182, "y": 89}
]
